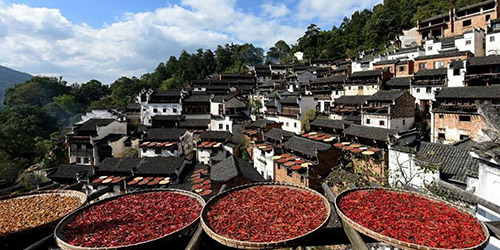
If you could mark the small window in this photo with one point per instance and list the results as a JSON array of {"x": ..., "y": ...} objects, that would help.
[
  {"x": 438, "y": 64},
  {"x": 487, "y": 18},
  {"x": 429, "y": 48},
  {"x": 157, "y": 151},
  {"x": 441, "y": 116},
  {"x": 174, "y": 110},
  {"x": 227, "y": 127},
  {"x": 349, "y": 87},
  {"x": 467, "y": 23},
  {"x": 382, "y": 123},
  {"x": 74, "y": 146},
  {"x": 86, "y": 160},
  {"x": 468, "y": 42},
  {"x": 402, "y": 68},
  {"x": 164, "y": 110},
  {"x": 144, "y": 150},
  {"x": 404, "y": 122},
  {"x": 428, "y": 90},
  {"x": 295, "y": 125},
  {"x": 367, "y": 121},
  {"x": 422, "y": 65},
  {"x": 84, "y": 146},
  {"x": 492, "y": 38},
  {"x": 155, "y": 110},
  {"x": 418, "y": 90},
  {"x": 464, "y": 118},
  {"x": 287, "y": 124},
  {"x": 441, "y": 136},
  {"x": 221, "y": 126},
  {"x": 78, "y": 160},
  {"x": 463, "y": 137},
  {"x": 456, "y": 72}
]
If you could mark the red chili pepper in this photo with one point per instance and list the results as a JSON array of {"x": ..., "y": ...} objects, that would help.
[{"x": 412, "y": 218}]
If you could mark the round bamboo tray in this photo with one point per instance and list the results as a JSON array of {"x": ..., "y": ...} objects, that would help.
[
  {"x": 260, "y": 245},
  {"x": 395, "y": 242},
  {"x": 141, "y": 245},
  {"x": 29, "y": 231}
]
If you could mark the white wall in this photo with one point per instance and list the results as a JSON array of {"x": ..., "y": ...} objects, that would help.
[
  {"x": 375, "y": 120},
  {"x": 352, "y": 90},
  {"x": 456, "y": 80},
  {"x": 214, "y": 108},
  {"x": 147, "y": 111},
  {"x": 151, "y": 152},
  {"x": 263, "y": 163},
  {"x": 431, "y": 47},
  {"x": 409, "y": 55},
  {"x": 116, "y": 127},
  {"x": 226, "y": 123},
  {"x": 423, "y": 95},
  {"x": 397, "y": 123},
  {"x": 290, "y": 124},
  {"x": 401, "y": 164},
  {"x": 493, "y": 46}
]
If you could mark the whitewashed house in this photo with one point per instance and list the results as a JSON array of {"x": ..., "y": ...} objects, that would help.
[
  {"x": 472, "y": 41},
  {"x": 390, "y": 110},
  {"x": 160, "y": 142},
  {"x": 159, "y": 103},
  {"x": 493, "y": 38}
]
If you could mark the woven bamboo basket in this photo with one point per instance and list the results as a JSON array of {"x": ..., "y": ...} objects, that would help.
[
  {"x": 395, "y": 242},
  {"x": 41, "y": 228},
  {"x": 260, "y": 245},
  {"x": 58, "y": 232}
]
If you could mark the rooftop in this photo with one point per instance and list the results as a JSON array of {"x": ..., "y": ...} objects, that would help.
[
  {"x": 444, "y": 55},
  {"x": 387, "y": 95},
  {"x": 278, "y": 134},
  {"x": 431, "y": 72},
  {"x": 484, "y": 60},
  {"x": 352, "y": 100},
  {"x": 399, "y": 82},
  {"x": 164, "y": 134},
  {"x": 92, "y": 124},
  {"x": 233, "y": 167},
  {"x": 476, "y": 92},
  {"x": 305, "y": 146},
  {"x": 215, "y": 135},
  {"x": 379, "y": 134},
  {"x": 327, "y": 123},
  {"x": 69, "y": 172},
  {"x": 262, "y": 123},
  {"x": 368, "y": 73}
]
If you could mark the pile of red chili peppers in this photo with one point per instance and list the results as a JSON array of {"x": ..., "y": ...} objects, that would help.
[
  {"x": 412, "y": 218},
  {"x": 266, "y": 214},
  {"x": 132, "y": 219}
]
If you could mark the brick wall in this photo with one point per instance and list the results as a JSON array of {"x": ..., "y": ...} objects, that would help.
[
  {"x": 453, "y": 127},
  {"x": 405, "y": 107},
  {"x": 478, "y": 21},
  {"x": 446, "y": 61},
  {"x": 391, "y": 67},
  {"x": 373, "y": 169},
  {"x": 408, "y": 69}
]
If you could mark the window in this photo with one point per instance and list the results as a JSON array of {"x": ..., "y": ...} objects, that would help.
[
  {"x": 86, "y": 160},
  {"x": 468, "y": 42},
  {"x": 367, "y": 121},
  {"x": 360, "y": 88},
  {"x": 164, "y": 110},
  {"x": 418, "y": 90},
  {"x": 287, "y": 124},
  {"x": 221, "y": 126},
  {"x": 404, "y": 122},
  {"x": 428, "y": 90},
  {"x": 402, "y": 68},
  {"x": 158, "y": 151},
  {"x": 83, "y": 146},
  {"x": 295, "y": 125},
  {"x": 464, "y": 118},
  {"x": 74, "y": 146},
  {"x": 78, "y": 160},
  {"x": 227, "y": 127},
  {"x": 463, "y": 137},
  {"x": 155, "y": 110},
  {"x": 492, "y": 39},
  {"x": 144, "y": 150},
  {"x": 382, "y": 123},
  {"x": 429, "y": 48},
  {"x": 456, "y": 72},
  {"x": 487, "y": 18},
  {"x": 349, "y": 87},
  {"x": 422, "y": 65},
  {"x": 438, "y": 65},
  {"x": 174, "y": 110},
  {"x": 441, "y": 136},
  {"x": 467, "y": 23},
  {"x": 441, "y": 116}
]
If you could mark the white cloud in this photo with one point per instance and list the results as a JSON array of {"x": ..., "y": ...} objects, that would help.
[
  {"x": 275, "y": 10},
  {"x": 327, "y": 11},
  {"x": 43, "y": 41}
]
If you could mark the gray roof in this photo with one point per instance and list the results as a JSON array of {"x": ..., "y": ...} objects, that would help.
[
  {"x": 368, "y": 73},
  {"x": 290, "y": 100},
  {"x": 69, "y": 172},
  {"x": 92, "y": 124},
  {"x": 484, "y": 60},
  {"x": 305, "y": 146},
  {"x": 278, "y": 134},
  {"x": 194, "y": 123},
  {"x": 455, "y": 163},
  {"x": 352, "y": 100},
  {"x": 379, "y": 134},
  {"x": 197, "y": 98},
  {"x": 168, "y": 117},
  {"x": 400, "y": 82},
  {"x": 327, "y": 123},
  {"x": 387, "y": 95},
  {"x": 168, "y": 93},
  {"x": 233, "y": 167},
  {"x": 476, "y": 92},
  {"x": 164, "y": 134},
  {"x": 431, "y": 72},
  {"x": 215, "y": 135},
  {"x": 443, "y": 55},
  {"x": 489, "y": 150},
  {"x": 458, "y": 64},
  {"x": 262, "y": 123},
  {"x": 123, "y": 166},
  {"x": 385, "y": 62},
  {"x": 331, "y": 79},
  {"x": 159, "y": 165}
]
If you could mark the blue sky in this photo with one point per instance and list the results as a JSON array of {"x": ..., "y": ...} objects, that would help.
[{"x": 106, "y": 39}]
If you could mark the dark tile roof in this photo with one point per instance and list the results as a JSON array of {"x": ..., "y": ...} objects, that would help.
[
  {"x": 385, "y": 62},
  {"x": 305, "y": 146},
  {"x": 407, "y": 50},
  {"x": 194, "y": 123},
  {"x": 290, "y": 100},
  {"x": 327, "y": 123},
  {"x": 472, "y": 6},
  {"x": 159, "y": 165},
  {"x": 491, "y": 113},
  {"x": 489, "y": 151},
  {"x": 331, "y": 79},
  {"x": 431, "y": 72},
  {"x": 164, "y": 134},
  {"x": 222, "y": 98},
  {"x": 117, "y": 166},
  {"x": 484, "y": 60},
  {"x": 368, "y": 73},
  {"x": 443, "y": 55},
  {"x": 92, "y": 124},
  {"x": 168, "y": 93},
  {"x": 69, "y": 172},
  {"x": 458, "y": 64},
  {"x": 454, "y": 163},
  {"x": 352, "y": 100},
  {"x": 379, "y": 134},
  {"x": 399, "y": 82},
  {"x": 387, "y": 95},
  {"x": 133, "y": 105},
  {"x": 197, "y": 98},
  {"x": 278, "y": 134},
  {"x": 476, "y": 92},
  {"x": 168, "y": 117},
  {"x": 215, "y": 135},
  {"x": 270, "y": 104},
  {"x": 262, "y": 123},
  {"x": 267, "y": 84},
  {"x": 233, "y": 167}
]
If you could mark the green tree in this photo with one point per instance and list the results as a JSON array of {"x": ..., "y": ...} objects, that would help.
[{"x": 38, "y": 91}]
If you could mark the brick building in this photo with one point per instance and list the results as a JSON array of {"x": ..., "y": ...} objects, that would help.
[{"x": 441, "y": 60}]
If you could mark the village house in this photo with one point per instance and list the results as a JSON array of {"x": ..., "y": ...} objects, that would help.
[
  {"x": 365, "y": 82},
  {"x": 262, "y": 73},
  {"x": 297, "y": 81},
  {"x": 71, "y": 173},
  {"x": 456, "y": 74},
  {"x": 441, "y": 60},
  {"x": 95, "y": 139},
  {"x": 293, "y": 109},
  {"x": 389, "y": 109},
  {"x": 159, "y": 103},
  {"x": 406, "y": 53},
  {"x": 472, "y": 41},
  {"x": 212, "y": 146},
  {"x": 341, "y": 67},
  {"x": 483, "y": 71},
  {"x": 364, "y": 64},
  {"x": 333, "y": 127},
  {"x": 315, "y": 160},
  {"x": 280, "y": 69},
  {"x": 262, "y": 158},
  {"x": 326, "y": 90},
  {"x": 277, "y": 137},
  {"x": 233, "y": 172},
  {"x": 348, "y": 108},
  {"x": 493, "y": 38},
  {"x": 231, "y": 105},
  {"x": 160, "y": 142},
  {"x": 457, "y": 113},
  {"x": 399, "y": 83},
  {"x": 196, "y": 106},
  {"x": 424, "y": 86},
  {"x": 221, "y": 123}
]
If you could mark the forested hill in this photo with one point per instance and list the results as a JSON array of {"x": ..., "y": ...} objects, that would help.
[
  {"x": 10, "y": 77},
  {"x": 369, "y": 29}
]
